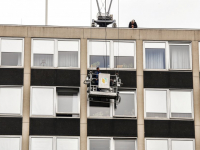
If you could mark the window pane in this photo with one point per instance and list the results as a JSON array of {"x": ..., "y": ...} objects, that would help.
[
  {"x": 43, "y": 47},
  {"x": 99, "y": 54},
  {"x": 124, "y": 144},
  {"x": 100, "y": 111},
  {"x": 123, "y": 55},
  {"x": 157, "y": 145},
  {"x": 179, "y": 57},
  {"x": 11, "y": 45},
  {"x": 10, "y": 100},
  {"x": 10, "y": 143},
  {"x": 68, "y": 45},
  {"x": 127, "y": 105},
  {"x": 153, "y": 100},
  {"x": 43, "y": 60},
  {"x": 100, "y": 144},
  {"x": 67, "y": 144},
  {"x": 181, "y": 104},
  {"x": 11, "y": 59},
  {"x": 68, "y": 100},
  {"x": 41, "y": 143},
  {"x": 68, "y": 59},
  {"x": 154, "y": 58},
  {"x": 42, "y": 101},
  {"x": 183, "y": 145}
]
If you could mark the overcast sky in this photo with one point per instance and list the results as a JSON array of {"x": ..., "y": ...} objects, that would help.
[{"x": 147, "y": 13}]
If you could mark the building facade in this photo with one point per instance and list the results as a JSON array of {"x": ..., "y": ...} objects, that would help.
[{"x": 43, "y": 100}]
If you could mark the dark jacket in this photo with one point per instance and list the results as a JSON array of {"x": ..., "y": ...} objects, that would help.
[{"x": 130, "y": 25}]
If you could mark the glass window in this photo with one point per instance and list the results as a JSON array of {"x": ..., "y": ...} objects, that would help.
[
  {"x": 181, "y": 104},
  {"x": 43, "y": 53},
  {"x": 127, "y": 105},
  {"x": 99, "y": 54},
  {"x": 10, "y": 100},
  {"x": 68, "y": 53},
  {"x": 67, "y": 144},
  {"x": 42, "y": 143},
  {"x": 99, "y": 144},
  {"x": 67, "y": 100},
  {"x": 42, "y": 101},
  {"x": 157, "y": 144},
  {"x": 155, "y": 99},
  {"x": 11, "y": 52},
  {"x": 121, "y": 144},
  {"x": 10, "y": 143},
  {"x": 155, "y": 56},
  {"x": 124, "y": 54},
  {"x": 183, "y": 145},
  {"x": 99, "y": 109},
  {"x": 179, "y": 56}
]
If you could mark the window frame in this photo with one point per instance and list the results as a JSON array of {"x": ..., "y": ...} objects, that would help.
[
  {"x": 167, "y": 55},
  {"x": 112, "y": 141},
  {"x": 55, "y": 55},
  {"x": 170, "y": 141},
  {"x": 21, "y": 102},
  {"x": 112, "y": 108},
  {"x": 168, "y": 99},
  {"x": 22, "y": 53},
  {"x": 111, "y": 52},
  {"x": 54, "y": 140},
  {"x": 54, "y": 103},
  {"x": 14, "y": 136}
]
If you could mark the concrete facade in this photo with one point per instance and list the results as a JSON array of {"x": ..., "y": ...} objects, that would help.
[{"x": 138, "y": 35}]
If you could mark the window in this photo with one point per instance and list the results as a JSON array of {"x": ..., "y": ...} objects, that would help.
[
  {"x": 11, "y": 52},
  {"x": 105, "y": 108},
  {"x": 170, "y": 144},
  {"x": 10, "y": 143},
  {"x": 167, "y": 55},
  {"x": 55, "y": 101},
  {"x": 155, "y": 56},
  {"x": 111, "y": 54},
  {"x": 164, "y": 103},
  {"x": 112, "y": 144},
  {"x": 54, "y": 143},
  {"x": 55, "y": 53},
  {"x": 11, "y": 100}
]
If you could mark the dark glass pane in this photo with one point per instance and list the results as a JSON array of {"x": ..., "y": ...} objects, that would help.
[
  {"x": 124, "y": 61},
  {"x": 11, "y": 59},
  {"x": 99, "y": 61},
  {"x": 68, "y": 59}
]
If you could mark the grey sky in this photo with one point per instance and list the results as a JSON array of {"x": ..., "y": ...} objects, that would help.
[{"x": 147, "y": 13}]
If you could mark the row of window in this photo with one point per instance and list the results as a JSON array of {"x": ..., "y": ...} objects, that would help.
[
  {"x": 73, "y": 143},
  {"x": 111, "y": 54},
  {"x": 65, "y": 102}
]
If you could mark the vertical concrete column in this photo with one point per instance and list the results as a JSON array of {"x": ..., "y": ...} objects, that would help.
[
  {"x": 26, "y": 93},
  {"x": 195, "y": 69},
  {"x": 83, "y": 97},
  {"x": 140, "y": 95}
]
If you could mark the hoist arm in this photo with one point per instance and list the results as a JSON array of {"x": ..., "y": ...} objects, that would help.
[
  {"x": 98, "y": 7},
  {"x": 109, "y": 7}
]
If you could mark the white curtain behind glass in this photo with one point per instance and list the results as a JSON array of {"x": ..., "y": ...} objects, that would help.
[
  {"x": 67, "y": 144},
  {"x": 155, "y": 58},
  {"x": 179, "y": 57}
]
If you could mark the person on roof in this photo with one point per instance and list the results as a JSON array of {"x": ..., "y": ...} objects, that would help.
[{"x": 132, "y": 24}]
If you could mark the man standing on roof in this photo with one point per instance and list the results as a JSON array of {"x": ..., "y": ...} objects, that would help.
[{"x": 133, "y": 24}]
